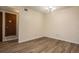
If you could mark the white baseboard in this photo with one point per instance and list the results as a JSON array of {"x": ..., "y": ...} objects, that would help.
[
  {"x": 71, "y": 41},
  {"x": 8, "y": 38},
  {"x": 28, "y": 39}
]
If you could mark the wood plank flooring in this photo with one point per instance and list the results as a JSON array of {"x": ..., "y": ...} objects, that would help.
[{"x": 41, "y": 45}]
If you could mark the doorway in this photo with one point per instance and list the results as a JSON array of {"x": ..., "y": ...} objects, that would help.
[{"x": 10, "y": 24}]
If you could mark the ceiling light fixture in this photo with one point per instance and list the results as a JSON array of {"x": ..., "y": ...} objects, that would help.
[{"x": 50, "y": 8}]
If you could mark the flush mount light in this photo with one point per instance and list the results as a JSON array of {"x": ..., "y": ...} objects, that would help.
[{"x": 50, "y": 8}]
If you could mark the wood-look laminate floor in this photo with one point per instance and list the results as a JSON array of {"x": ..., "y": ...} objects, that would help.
[{"x": 41, "y": 45}]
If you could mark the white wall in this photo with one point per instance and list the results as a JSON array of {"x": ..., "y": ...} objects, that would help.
[
  {"x": 63, "y": 24},
  {"x": 30, "y": 25}
]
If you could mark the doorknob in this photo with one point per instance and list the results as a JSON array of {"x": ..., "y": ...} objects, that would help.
[{"x": 10, "y": 21}]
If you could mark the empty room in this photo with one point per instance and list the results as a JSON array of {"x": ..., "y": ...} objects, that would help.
[{"x": 39, "y": 29}]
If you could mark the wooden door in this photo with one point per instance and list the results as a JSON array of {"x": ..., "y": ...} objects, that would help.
[
  {"x": 0, "y": 26},
  {"x": 10, "y": 24}
]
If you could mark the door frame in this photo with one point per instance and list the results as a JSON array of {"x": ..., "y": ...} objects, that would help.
[{"x": 3, "y": 26}]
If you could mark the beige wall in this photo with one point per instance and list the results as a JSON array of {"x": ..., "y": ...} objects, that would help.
[
  {"x": 30, "y": 25},
  {"x": 63, "y": 24}
]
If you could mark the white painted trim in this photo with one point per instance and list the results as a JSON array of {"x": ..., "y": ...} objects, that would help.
[
  {"x": 10, "y": 38},
  {"x": 62, "y": 39},
  {"x": 28, "y": 39},
  {"x": 9, "y": 11},
  {"x": 3, "y": 26}
]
